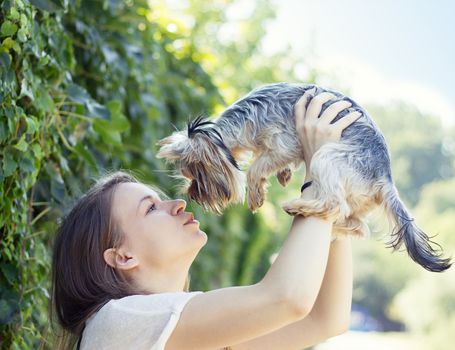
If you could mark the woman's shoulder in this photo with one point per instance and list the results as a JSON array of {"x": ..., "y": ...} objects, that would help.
[
  {"x": 151, "y": 302},
  {"x": 135, "y": 315},
  {"x": 142, "y": 305}
]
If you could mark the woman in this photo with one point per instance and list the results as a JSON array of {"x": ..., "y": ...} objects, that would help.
[{"x": 122, "y": 255}]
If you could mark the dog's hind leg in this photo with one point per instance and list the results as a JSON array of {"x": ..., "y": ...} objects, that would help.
[
  {"x": 352, "y": 226},
  {"x": 330, "y": 174}
]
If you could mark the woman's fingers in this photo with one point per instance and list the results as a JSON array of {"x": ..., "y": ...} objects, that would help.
[
  {"x": 313, "y": 130},
  {"x": 332, "y": 111},
  {"x": 347, "y": 120},
  {"x": 301, "y": 106},
  {"x": 315, "y": 106}
]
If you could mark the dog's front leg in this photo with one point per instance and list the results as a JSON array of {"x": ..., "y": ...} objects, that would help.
[
  {"x": 284, "y": 175},
  {"x": 257, "y": 175},
  {"x": 256, "y": 191}
]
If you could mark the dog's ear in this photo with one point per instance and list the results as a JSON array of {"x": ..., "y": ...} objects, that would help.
[
  {"x": 172, "y": 147},
  {"x": 165, "y": 141}
]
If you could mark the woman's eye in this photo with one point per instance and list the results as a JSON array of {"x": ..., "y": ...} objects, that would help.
[{"x": 152, "y": 207}]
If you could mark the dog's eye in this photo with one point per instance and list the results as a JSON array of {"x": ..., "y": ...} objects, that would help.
[{"x": 152, "y": 207}]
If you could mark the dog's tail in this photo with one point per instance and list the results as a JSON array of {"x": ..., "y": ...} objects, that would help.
[{"x": 418, "y": 244}]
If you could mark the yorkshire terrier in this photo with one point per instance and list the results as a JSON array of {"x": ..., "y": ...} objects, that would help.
[{"x": 349, "y": 177}]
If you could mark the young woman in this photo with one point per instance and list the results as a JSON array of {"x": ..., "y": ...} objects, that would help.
[{"x": 122, "y": 256}]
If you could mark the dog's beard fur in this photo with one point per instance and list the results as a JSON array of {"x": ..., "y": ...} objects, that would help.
[
  {"x": 212, "y": 177},
  {"x": 216, "y": 183}
]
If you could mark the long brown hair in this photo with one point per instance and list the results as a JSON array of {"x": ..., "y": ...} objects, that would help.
[{"x": 81, "y": 280}]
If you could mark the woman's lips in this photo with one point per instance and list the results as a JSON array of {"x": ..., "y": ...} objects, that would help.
[{"x": 193, "y": 221}]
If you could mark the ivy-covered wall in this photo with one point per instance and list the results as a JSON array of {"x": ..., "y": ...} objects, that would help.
[{"x": 85, "y": 87}]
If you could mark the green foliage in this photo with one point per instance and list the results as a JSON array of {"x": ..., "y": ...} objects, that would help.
[
  {"x": 436, "y": 210},
  {"x": 229, "y": 41},
  {"x": 378, "y": 277},
  {"x": 434, "y": 318},
  {"x": 416, "y": 145},
  {"x": 89, "y": 86},
  {"x": 79, "y": 94}
]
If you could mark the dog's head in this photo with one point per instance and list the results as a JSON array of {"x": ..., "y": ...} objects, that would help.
[{"x": 214, "y": 179}]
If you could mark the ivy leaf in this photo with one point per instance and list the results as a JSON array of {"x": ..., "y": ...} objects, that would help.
[
  {"x": 44, "y": 102},
  {"x": 110, "y": 136},
  {"x": 22, "y": 35},
  {"x": 57, "y": 183},
  {"x": 9, "y": 164},
  {"x": 78, "y": 94},
  {"x": 3, "y": 132},
  {"x": 8, "y": 28},
  {"x": 8, "y": 43},
  {"x": 46, "y": 5},
  {"x": 118, "y": 121},
  {"x": 10, "y": 272},
  {"x": 57, "y": 190},
  {"x": 96, "y": 110},
  {"x": 14, "y": 15},
  {"x": 5, "y": 59},
  {"x": 7, "y": 311},
  {"x": 27, "y": 165},
  {"x": 26, "y": 90},
  {"x": 82, "y": 151},
  {"x": 37, "y": 151},
  {"x": 32, "y": 125},
  {"x": 21, "y": 145},
  {"x": 110, "y": 130},
  {"x": 23, "y": 21},
  {"x": 53, "y": 172}
]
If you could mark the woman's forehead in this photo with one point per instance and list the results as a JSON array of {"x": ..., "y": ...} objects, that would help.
[
  {"x": 128, "y": 197},
  {"x": 134, "y": 192}
]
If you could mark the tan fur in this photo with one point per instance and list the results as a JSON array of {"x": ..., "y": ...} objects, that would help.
[{"x": 341, "y": 193}]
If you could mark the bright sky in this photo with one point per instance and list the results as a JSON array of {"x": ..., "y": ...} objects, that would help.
[{"x": 377, "y": 50}]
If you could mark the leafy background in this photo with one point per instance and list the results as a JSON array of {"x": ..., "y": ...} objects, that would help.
[{"x": 89, "y": 86}]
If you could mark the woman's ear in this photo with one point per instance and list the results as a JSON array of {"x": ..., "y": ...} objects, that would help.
[{"x": 120, "y": 259}]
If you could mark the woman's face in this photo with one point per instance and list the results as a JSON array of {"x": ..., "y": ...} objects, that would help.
[{"x": 156, "y": 232}]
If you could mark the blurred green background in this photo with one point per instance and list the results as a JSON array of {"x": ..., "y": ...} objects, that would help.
[{"x": 90, "y": 86}]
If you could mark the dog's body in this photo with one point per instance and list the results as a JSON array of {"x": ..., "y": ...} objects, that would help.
[{"x": 350, "y": 177}]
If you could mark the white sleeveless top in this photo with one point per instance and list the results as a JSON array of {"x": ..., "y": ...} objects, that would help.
[{"x": 135, "y": 322}]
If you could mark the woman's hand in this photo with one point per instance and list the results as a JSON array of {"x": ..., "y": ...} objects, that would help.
[{"x": 314, "y": 130}]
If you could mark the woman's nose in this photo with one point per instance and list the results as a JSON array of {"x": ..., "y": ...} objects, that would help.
[{"x": 178, "y": 207}]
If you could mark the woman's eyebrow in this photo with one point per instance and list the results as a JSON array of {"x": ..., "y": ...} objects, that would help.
[{"x": 143, "y": 199}]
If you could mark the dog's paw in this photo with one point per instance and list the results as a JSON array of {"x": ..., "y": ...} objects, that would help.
[
  {"x": 294, "y": 207},
  {"x": 316, "y": 208},
  {"x": 351, "y": 226},
  {"x": 255, "y": 200},
  {"x": 284, "y": 176}
]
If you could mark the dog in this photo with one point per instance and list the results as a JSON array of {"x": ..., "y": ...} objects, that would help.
[{"x": 350, "y": 177}]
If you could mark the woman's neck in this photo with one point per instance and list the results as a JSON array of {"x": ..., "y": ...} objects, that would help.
[{"x": 159, "y": 281}]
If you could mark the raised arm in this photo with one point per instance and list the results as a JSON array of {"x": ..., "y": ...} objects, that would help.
[
  {"x": 330, "y": 314},
  {"x": 286, "y": 294},
  {"x": 233, "y": 315},
  {"x": 332, "y": 308}
]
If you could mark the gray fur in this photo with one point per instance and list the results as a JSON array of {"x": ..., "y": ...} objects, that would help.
[{"x": 273, "y": 105}]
